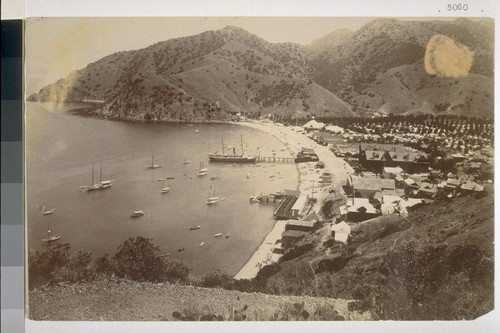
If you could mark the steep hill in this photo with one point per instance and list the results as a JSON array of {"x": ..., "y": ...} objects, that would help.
[
  {"x": 214, "y": 74},
  {"x": 361, "y": 68},
  {"x": 331, "y": 41},
  {"x": 435, "y": 264},
  {"x": 202, "y": 77}
]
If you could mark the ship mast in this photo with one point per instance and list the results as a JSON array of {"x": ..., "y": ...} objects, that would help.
[{"x": 242, "y": 145}]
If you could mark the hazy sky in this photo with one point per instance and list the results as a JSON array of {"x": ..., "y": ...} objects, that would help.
[{"x": 56, "y": 46}]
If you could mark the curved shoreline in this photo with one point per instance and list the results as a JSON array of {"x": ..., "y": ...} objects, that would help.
[
  {"x": 308, "y": 182},
  {"x": 263, "y": 251}
]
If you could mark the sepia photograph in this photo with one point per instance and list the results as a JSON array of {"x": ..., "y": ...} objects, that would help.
[{"x": 259, "y": 168}]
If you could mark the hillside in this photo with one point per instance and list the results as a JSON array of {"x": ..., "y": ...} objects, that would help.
[
  {"x": 215, "y": 74},
  {"x": 204, "y": 77},
  {"x": 361, "y": 68},
  {"x": 435, "y": 264},
  {"x": 124, "y": 300}
]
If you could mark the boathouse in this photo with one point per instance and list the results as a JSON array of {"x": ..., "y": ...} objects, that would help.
[
  {"x": 299, "y": 225},
  {"x": 298, "y": 207}
]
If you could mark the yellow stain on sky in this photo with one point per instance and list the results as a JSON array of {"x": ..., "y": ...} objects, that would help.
[{"x": 446, "y": 57}]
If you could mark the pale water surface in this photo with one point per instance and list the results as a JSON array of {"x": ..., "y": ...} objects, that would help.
[{"x": 61, "y": 147}]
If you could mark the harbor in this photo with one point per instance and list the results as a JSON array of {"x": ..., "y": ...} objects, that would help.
[{"x": 172, "y": 197}]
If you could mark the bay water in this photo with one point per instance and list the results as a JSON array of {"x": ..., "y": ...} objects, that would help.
[{"x": 62, "y": 145}]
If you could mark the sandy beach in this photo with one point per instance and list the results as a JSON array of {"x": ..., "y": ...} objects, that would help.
[{"x": 309, "y": 178}]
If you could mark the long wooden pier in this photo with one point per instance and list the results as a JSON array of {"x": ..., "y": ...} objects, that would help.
[
  {"x": 274, "y": 159},
  {"x": 284, "y": 209}
]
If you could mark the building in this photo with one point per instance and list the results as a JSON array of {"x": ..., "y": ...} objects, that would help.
[
  {"x": 326, "y": 178},
  {"x": 341, "y": 232},
  {"x": 392, "y": 172},
  {"x": 306, "y": 155},
  {"x": 358, "y": 209},
  {"x": 410, "y": 162},
  {"x": 373, "y": 160},
  {"x": 299, "y": 225},
  {"x": 289, "y": 237},
  {"x": 367, "y": 187},
  {"x": 298, "y": 207}
]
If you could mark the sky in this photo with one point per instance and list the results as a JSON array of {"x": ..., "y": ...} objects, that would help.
[{"x": 54, "y": 47}]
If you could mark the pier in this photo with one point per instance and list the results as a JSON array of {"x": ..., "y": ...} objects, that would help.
[
  {"x": 274, "y": 159},
  {"x": 284, "y": 209}
]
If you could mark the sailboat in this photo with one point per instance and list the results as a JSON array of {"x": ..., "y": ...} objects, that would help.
[
  {"x": 202, "y": 171},
  {"x": 50, "y": 238},
  {"x": 103, "y": 184},
  {"x": 47, "y": 212},
  {"x": 232, "y": 157},
  {"x": 153, "y": 164},
  {"x": 212, "y": 199}
]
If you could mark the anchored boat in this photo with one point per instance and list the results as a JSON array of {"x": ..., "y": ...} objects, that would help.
[
  {"x": 232, "y": 157},
  {"x": 137, "y": 213}
]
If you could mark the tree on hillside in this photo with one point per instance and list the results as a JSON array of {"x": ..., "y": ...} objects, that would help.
[{"x": 140, "y": 260}]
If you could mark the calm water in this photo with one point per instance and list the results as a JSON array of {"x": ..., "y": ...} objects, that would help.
[{"x": 60, "y": 150}]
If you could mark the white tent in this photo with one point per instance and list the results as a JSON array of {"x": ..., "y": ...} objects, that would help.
[
  {"x": 387, "y": 209},
  {"x": 313, "y": 124}
]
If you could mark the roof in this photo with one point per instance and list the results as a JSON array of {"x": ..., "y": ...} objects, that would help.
[
  {"x": 395, "y": 171},
  {"x": 341, "y": 237},
  {"x": 358, "y": 204},
  {"x": 472, "y": 186},
  {"x": 382, "y": 147},
  {"x": 312, "y": 217},
  {"x": 453, "y": 182},
  {"x": 374, "y": 184},
  {"x": 374, "y": 155},
  {"x": 407, "y": 157},
  {"x": 294, "y": 233},
  {"x": 341, "y": 227},
  {"x": 300, "y": 223},
  {"x": 300, "y": 203}
]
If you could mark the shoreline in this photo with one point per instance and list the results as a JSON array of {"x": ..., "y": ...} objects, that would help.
[{"x": 308, "y": 182}]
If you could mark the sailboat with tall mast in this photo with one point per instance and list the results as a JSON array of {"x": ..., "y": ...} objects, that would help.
[
  {"x": 153, "y": 164},
  {"x": 202, "y": 171},
  {"x": 232, "y": 157},
  {"x": 212, "y": 199},
  {"x": 103, "y": 184}
]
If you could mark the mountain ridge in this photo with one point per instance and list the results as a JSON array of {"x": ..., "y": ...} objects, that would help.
[{"x": 336, "y": 75}]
